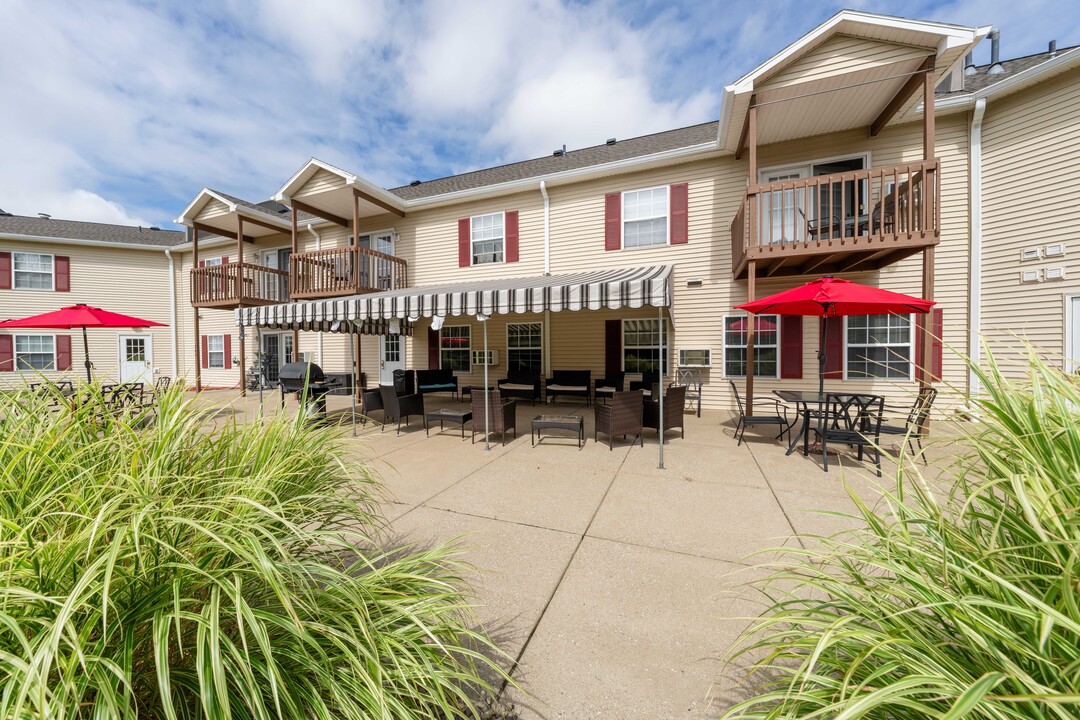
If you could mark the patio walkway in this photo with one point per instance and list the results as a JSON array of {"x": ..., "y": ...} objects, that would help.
[{"x": 614, "y": 587}]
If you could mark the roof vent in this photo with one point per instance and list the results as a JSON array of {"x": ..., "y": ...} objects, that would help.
[
  {"x": 611, "y": 141},
  {"x": 996, "y": 68},
  {"x": 5, "y": 214},
  {"x": 969, "y": 64},
  {"x": 414, "y": 183},
  {"x": 45, "y": 216},
  {"x": 154, "y": 227},
  {"x": 282, "y": 210},
  {"x": 560, "y": 152},
  {"x": 1052, "y": 49}
]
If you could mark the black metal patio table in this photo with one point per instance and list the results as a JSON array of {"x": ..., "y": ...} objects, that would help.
[
  {"x": 447, "y": 415},
  {"x": 803, "y": 399},
  {"x": 574, "y": 423}
]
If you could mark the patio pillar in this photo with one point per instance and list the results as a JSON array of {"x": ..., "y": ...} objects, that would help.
[
  {"x": 195, "y": 324},
  {"x": 295, "y": 249},
  {"x": 240, "y": 297},
  {"x": 927, "y": 329},
  {"x": 355, "y": 275}
]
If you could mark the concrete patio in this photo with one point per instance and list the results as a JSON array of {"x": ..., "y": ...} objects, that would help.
[{"x": 613, "y": 586}]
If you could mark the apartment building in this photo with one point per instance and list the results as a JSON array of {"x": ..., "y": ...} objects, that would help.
[
  {"x": 47, "y": 263},
  {"x": 823, "y": 161}
]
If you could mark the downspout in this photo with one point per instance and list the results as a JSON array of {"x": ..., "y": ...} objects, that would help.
[
  {"x": 318, "y": 246},
  {"x": 546, "y": 351},
  {"x": 975, "y": 213},
  {"x": 172, "y": 314}
]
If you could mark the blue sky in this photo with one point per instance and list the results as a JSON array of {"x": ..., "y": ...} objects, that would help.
[{"x": 118, "y": 111}]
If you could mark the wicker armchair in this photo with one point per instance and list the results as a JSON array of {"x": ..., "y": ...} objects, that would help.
[
  {"x": 371, "y": 401},
  {"x": 396, "y": 407},
  {"x": 622, "y": 417},
  {"x": 674, "y": 409},
  {"x": 502, "y": 415}
]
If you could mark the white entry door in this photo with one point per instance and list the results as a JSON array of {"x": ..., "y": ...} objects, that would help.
[
  {"x": 136, "y": 359},
  {"x": 391, "y": 357},
  {"x": 1072, "y": 319}
]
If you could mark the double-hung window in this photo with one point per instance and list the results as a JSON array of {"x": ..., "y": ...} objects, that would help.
[
  {"x": 645, "y": 217},
  {"x": 879, "y": 346},
  {"x": 32, "y": 271},
  {"x": 35, "y": 352},
  {"x": 455, "y": 345},
  {"x": 524, "y": 346},
  {"x": 488, "y": 236},
  {"x": 215, "y": 351},
  {"x": 766, "y": 345},
  {"x": 641, "y": 340}
]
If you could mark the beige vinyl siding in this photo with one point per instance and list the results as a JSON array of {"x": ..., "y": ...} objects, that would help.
[
  {"x": 840, "y": 55},
  {"x": 321, "y": 181},
  {"x": 212, "y": 209},
  {"x": 127, "y": 281},
  {"x": 1031, "y": 172}
]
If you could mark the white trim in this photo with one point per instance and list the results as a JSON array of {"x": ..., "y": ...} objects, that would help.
[
  {"x": 623, "y": 220},
  {"x": 472, "y": 253},
  {"x": 15, "y": 353},
  {"x": 975, "y": 255},
  {"x": 381, "y": 233},
  {"x": 724, "y": 345},
  {"x": 913, "y": 329},
  {"x": 1071, "y": 364},
  {"x": 52, "y": 273},
  {"x": 808, "y": 165},
  {"x": 209, "y": 352},
  {"x": 540, "y": 347},
  {"x": 313, "y": 165}
]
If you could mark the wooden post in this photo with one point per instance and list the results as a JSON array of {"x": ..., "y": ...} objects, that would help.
[
  {"x": 295, "y": 249},
  {"x": 927, "y": 360},
  {"x": 240, "y": 297},
  {"x": 356, "y": 242},
  {"x": 751, "y": 267},
  {"x": 751, "y": 326},
  {"x": 195, "y": 324},
  {"x": 928, "y": 115}
]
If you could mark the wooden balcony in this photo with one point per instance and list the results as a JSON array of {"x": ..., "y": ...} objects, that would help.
[
  {"x": 845, "y": 222},
  {"x": 345, "y": 271},
  {"x": 232, "y": 285}
]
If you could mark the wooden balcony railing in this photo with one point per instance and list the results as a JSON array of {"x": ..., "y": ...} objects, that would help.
[
  {"x": 858, "y": 220},
  {"x": 231, "y": 285},
  {"x": 345, "y": 271}
]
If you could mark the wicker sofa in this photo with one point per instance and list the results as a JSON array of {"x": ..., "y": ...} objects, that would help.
[
  {"x": 519, "y": 383},
  {"x": 429, "y": 381},
  {"x": 576, "y": 383}
]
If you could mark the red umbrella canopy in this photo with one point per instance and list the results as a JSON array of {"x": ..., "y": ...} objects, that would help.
[
  {"x": 80, "y": 316},
  {"x": 829, "y": 296}
]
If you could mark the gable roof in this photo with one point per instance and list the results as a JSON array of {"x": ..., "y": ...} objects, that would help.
[
  {"x": 597, "y": 155},
  {"x": 982, "y": 80},
  {"x": 22, "y": 227}
]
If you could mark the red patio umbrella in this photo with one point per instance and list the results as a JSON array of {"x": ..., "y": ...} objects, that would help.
[
  {"x": 832, "y": 297},
  {"x": 80, "y": 316}
]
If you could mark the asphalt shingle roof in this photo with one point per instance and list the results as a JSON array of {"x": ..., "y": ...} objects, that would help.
[
  {"x": 981, "y": 79},
  {"x": 572, "y": 160},
  {"x": 79, "y": 230},
  {"x": 269, "y": 207}
]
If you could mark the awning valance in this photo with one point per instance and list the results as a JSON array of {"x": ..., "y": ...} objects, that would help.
[{"x": 375, "y": 313}]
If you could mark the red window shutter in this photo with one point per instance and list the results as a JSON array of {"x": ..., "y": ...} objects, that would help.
[
  {"x": 464, "y": 242},
  {"x": 63, "y": 352},
  {"x": 834, "y": 348},
  {"x": 680, "y": 203},
  {"x": 612, "y": 347},
  {"x": 228, "y": 352},
  {"x": 936, "y": 329},
  {"x": 432, "y": 349},
  {"x": 7, "y": 353},
  {"x": 224, "y": 259},
  {"x": 62, "y": 273},
  {"x": 791, "y": 352},
  {"x": 613, "y": 222},
  {"x": 5, "y": 271},
  {"x": 511, "y": 236},
  {"x": 205, "y": 352},
  {"x": 202, "y": 263}
]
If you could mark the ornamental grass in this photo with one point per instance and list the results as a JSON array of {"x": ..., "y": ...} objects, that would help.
[
  {"x": 153, "y": 565},
  {"x": 942, "y": 604}
]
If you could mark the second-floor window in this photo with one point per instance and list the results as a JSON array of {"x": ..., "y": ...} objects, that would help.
[
  {"x": 35, "y": 352},
  {"x": 645, "y": 217},
  {"x": 32, "y": 271},
  {"x": 487, "y": 238},
  {"x": 454, "y": 348}
]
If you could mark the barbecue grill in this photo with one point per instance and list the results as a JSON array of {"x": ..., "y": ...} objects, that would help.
[{"x": 294, "y": 377}]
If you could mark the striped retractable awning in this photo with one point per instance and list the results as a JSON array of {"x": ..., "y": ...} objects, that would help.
[{"x": 385, "y": 312}]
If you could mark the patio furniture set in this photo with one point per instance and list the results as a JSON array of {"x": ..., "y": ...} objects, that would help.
[
  {"x": 857, "y": 420},
  {"x": 115, "y": 398}
]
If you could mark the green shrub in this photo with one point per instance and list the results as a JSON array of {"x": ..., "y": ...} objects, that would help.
[
  {"x": 173, "y": 569},
  {"x": 943, "y": 607}
]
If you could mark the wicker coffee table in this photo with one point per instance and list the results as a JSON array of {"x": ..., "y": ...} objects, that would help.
[
  {"x": 447, "y": 415},
  {"x": 575, "y": 423}
]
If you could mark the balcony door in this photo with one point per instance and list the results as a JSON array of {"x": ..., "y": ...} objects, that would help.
[
  {"x": 377, "y": 272},
  {"x": 276, "y": 287},
  {"x": 806, "y": 213},
  {"x": 782, "y": 211},
  {"x": 840, "y": 206}
]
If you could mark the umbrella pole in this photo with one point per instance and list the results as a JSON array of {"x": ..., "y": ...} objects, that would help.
[
  {"x": 660, "y": 390},
  {"x": 821, "y": 354},
  {"x": 86, "y": 355},
  {"x": 487, "y": 396}
]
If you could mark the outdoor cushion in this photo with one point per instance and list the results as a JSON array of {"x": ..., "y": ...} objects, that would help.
[
  {"x": 436, "y": 386},
  {"x": 516, "y": 386},
  {"x": 568, "y": 388},
  {"x": 605, "y": 388}
]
